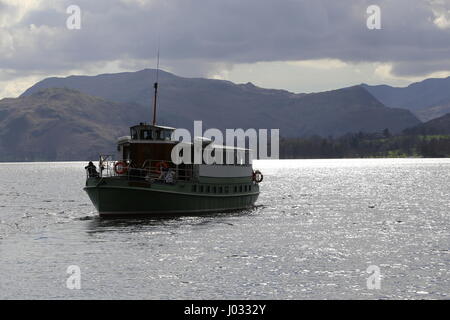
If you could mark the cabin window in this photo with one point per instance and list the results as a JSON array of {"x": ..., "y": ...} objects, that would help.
[
  {"x": 167, "y": 135},
  {"x": 214, "y": 190},
  {"x": 126, "y": 153},
  {"x": 213, "y": 155},
  {"x": 147, "y": 135},
  {"x": 240, "y": 157},
  {"x": 201, "y": 188},
  {"x": 208, "y": 189},
  {"x": 194, "y": 188},
  {"x": 134, "y": 134},
  {"x": 220, "y": 190},
  {"x": 240, "y": 188},
  {"x": 226, "y": 189},
  {"x": 229, "y": 156},
  {"x": 235, "y": 189},
  {"x": 224, "y": 156},
  {"x": 245, "y": 188}
]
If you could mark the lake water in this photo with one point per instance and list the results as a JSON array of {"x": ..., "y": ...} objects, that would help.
[{"x": 317, "y": 228}]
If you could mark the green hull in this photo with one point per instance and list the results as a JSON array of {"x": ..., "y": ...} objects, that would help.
[{"x": 121, "y": 197}]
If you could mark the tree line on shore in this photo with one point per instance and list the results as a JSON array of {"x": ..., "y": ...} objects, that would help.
[{"x": 366, "y": 145}]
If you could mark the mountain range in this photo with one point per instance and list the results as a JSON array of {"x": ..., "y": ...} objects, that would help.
[
  {"x": 78, "y": 117},
  {"x": 223, "y": 104},
  {"x": 428, "y": 99}
]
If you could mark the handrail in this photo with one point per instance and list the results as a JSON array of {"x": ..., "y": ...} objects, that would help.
[{"x": 151, "y": 173}]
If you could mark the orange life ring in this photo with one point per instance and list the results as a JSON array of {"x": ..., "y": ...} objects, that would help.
[
  {"x": 257, "y": 176},
  {"x": 121, "y": 167},
  {"x": 159, "y": 165}
]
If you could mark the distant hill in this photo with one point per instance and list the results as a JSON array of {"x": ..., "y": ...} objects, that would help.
[
  {"x": 342, "y": 111},
  {"x": 438, "y": 126},
  {"x": 61, "y": 124},
  {"x": 223, "y": 104},
  {"x": 78, "y": 117},
  {"x": 433, "y": 112},
  {"x": 427, "y": 99}
]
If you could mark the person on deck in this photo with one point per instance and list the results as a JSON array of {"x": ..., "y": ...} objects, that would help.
[
  {"x": 169, "y": 178},
  {"x": 91, "y": 170}
]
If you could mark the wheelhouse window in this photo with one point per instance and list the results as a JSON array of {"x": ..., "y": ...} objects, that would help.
[
  {"x": 167, "y": 134},
  {"x": 146, "y": 135},
  {"x": 149, "y": 132},
  {"x": 134, "y": 134}
]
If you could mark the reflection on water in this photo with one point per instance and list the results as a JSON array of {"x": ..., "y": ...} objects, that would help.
[
  {"x": 133, "y": 223},
  {"x": 317, "y": 227}
]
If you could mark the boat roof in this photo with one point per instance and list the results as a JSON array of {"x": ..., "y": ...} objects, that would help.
[
  {"x": 218, "y": 146},
  {"x": 151, "y": 126},
  {"x": 127, "y": 139}
]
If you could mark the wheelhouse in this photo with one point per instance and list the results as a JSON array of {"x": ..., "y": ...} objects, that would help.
[
  {"x": 146, "y": 142},
  {"x": 149, "y": 142}
]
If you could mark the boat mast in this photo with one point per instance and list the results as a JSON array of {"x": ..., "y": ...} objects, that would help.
[{"x": 155, "y": 86}]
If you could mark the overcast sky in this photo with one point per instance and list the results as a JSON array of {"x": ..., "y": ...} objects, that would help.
[{"x": 298, "y": 45}]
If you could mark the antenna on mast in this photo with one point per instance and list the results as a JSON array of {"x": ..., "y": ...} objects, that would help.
[{"x": 155, "y": 86}]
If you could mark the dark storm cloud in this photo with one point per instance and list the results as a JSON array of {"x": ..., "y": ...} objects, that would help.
[{"x": 212, "y": 32}]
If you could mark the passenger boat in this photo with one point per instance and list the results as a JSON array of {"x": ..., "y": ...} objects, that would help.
[{"x": 143, "y": 179}]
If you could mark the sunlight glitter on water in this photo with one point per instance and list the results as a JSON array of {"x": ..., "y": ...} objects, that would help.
[{"x": 317, "y": 227}]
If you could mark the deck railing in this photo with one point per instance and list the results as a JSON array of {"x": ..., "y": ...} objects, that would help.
[{"x": 151, "y": 170}]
